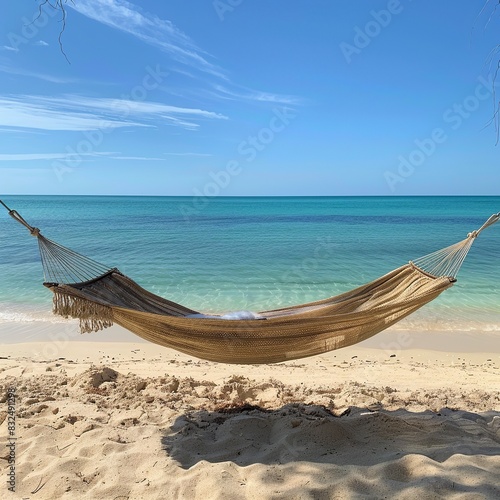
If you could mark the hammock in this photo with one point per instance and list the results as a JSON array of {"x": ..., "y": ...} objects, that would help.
[{"x": 99, "y": 297}]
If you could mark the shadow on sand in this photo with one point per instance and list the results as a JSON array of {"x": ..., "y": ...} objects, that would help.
[{"x": 247, "y": 435}]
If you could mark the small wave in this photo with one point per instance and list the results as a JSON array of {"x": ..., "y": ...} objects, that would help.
[
  {"x": 29, "y": 317},
  {"x": 446, "y": 326}
]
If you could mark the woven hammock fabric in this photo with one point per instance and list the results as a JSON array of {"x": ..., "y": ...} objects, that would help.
[
  {"x": 99, "y": 297},
  {"x": 283, "y": 334}
]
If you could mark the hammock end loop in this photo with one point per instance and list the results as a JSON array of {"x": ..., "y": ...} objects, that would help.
[
  {"x": 492, "y": 220},
  {"x": 34, "y": 231}
]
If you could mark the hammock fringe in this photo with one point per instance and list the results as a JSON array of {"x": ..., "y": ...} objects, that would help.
[{"x": 93, "y": 317}]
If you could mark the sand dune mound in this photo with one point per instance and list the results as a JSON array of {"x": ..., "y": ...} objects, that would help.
[{"x": 95, "y": 376}]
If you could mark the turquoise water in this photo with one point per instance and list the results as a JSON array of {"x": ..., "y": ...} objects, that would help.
[{"x": 226, "y": 254}]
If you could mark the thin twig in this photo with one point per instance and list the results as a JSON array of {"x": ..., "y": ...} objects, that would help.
[
  {"x": 39, "y": 487},
  {"x": 57, "y": 5},
  {"x": 495, "y": 119}
]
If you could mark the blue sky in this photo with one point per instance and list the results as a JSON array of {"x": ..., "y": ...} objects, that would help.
[{"x": 249, "y": 97}]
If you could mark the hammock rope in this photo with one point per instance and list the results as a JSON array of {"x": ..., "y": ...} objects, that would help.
[
  {"x": 100, "y": 296},
  {"x": 449, "y": 260},
  {"x": 61, "y": 264}
]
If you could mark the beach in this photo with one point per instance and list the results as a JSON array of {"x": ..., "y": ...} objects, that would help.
[
  {"x": 386, "y": 418},
  {"x": 413, "y": 412},
  {"x": 249, "y": 254}
]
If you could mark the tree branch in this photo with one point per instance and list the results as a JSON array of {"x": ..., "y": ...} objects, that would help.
[{"x": 57, "y": 5}]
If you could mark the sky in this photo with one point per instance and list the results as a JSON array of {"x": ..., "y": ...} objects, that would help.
[{"x": 249, "y": 97}]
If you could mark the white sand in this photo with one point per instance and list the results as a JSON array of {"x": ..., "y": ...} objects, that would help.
[{"x": 111, "y": 420}]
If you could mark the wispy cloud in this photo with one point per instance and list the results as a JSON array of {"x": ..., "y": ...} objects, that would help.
[
  {"x": 57, "y": 156},
  {"x": 188, "y": 154},
  {"x": 34, "y": 156},
  {"x": 33, "y": 112},
  {"x": 256, "y": 95},
  {"x": 70, "y": 156},
  {"x": 141, "y": 158},
  {"x": 41, "y": 43},
  {"x": 80, "y": 113},
  {"x": 232, "y": 92},
  {"x": 24, "y": 171},
  {"x": 20, "y": 131},
  {"x": 160, "y": 33},
  {"x": 32, "y": 74},
  {"x": 134, "y": 107},
  {"x": 8, "y": 47},
  {"x": 140, "y": 110},
  {"x": 124, "y": 16}
]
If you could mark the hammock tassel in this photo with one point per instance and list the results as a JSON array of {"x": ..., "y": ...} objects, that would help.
[{"x": 93, "y": 317}]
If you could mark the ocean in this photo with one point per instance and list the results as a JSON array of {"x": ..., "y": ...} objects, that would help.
[{"x": 253, "y": 253}]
